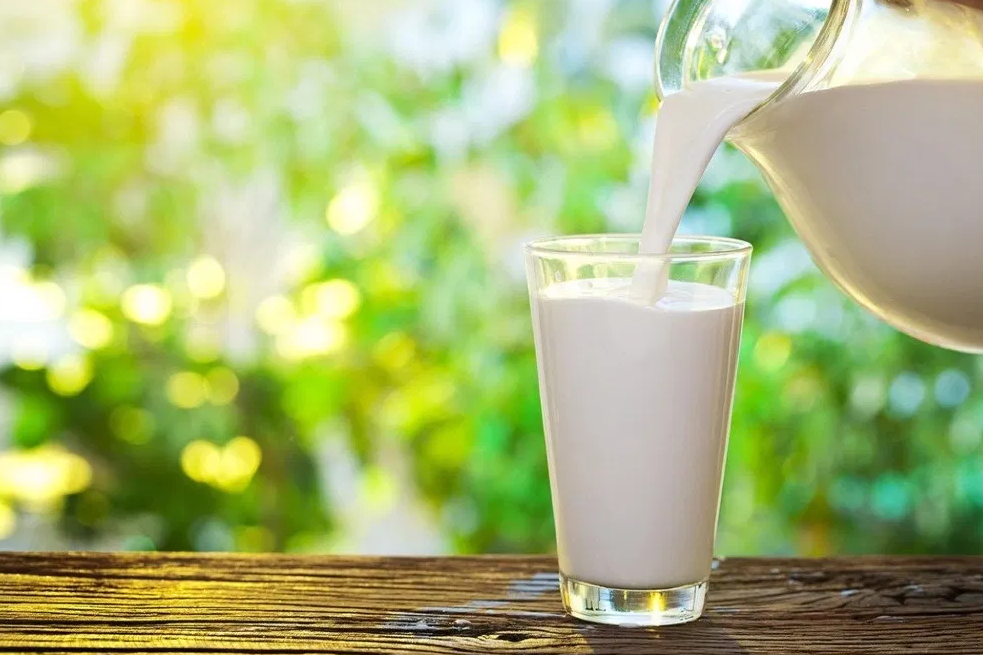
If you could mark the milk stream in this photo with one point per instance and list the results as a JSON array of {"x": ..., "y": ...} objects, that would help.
[
  {"x": 880, "y": 180},
  {"x": 690, "y": 126}
]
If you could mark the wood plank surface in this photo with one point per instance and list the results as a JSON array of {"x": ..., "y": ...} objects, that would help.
[{"x": 136, "y": 603}]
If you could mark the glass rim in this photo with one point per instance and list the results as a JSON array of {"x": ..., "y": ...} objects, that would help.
[{"x": 725, "y": 248}]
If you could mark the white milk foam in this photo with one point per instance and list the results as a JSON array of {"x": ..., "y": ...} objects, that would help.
[{"x": 637, "y": 404}]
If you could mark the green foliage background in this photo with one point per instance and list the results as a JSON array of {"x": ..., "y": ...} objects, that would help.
[{"x": 163, "y": 130}]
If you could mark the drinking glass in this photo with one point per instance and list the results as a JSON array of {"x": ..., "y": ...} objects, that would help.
[{"x": 636, "y": 398}]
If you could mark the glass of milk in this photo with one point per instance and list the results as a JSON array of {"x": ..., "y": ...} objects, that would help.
[{"x": 636, "y": 396}]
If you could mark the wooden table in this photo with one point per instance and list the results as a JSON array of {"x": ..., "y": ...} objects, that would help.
[{"x": 75, "y": 603}]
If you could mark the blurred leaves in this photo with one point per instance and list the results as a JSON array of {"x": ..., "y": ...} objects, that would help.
[{"x": 251, "y": 248}]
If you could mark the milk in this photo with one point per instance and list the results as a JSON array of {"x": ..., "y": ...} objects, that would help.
[
  {"x": 880, "y": 180},
  {"x": 636, "y": 405},
  {"x": 690, "y": 126},
  {"x": 883, "y": 183}
]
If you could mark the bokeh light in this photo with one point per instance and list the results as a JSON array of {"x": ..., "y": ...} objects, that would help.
[
  {"x": 187, "y": 389},
  {"x": 24, "y": 169},
  {"x": 275, "y": 315},
  {"x": 132, "y": 424},
  {"x": 91, "y": 329},
  {"x": 229, "y": 468},
  {"x": 772, "y": 351},
  {"x": 69, "y": 375},
  {"x": 30, "y": 353},
  {"x": 15, "y": 127},
  {"x": 206, "y": 278},
  {"x": 518, "y": 43},
  {"x": 32, "y": 301},
  {"x": 311, "y": 337},
  {"x": 354, "y": 207},
  {"x": 336, "y": 298},
  {"x": 223, "y": 385},
  {"x": 43, "y": 475},
  {"x": 147, "y": 304}
]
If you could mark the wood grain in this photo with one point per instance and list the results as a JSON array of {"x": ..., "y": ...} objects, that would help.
[{"x": 142, "y": 603}]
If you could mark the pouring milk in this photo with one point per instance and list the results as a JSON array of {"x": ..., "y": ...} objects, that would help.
[
  {"x": 691, "y": 124},
  {"x": 879, "y": 178},
  {"x": 881, "y": 181},
  {"x": 875, "y": 163},
  {"x": 638, "y": 376}
]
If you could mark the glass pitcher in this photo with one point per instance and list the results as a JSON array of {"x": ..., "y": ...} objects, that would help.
[{"x": 871, "y": 143}]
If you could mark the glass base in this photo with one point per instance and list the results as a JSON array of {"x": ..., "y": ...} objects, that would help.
[{"x": 633, "y": 607}]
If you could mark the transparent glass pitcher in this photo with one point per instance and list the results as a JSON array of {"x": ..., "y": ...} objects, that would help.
[{"x": 871, "y": 142}]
